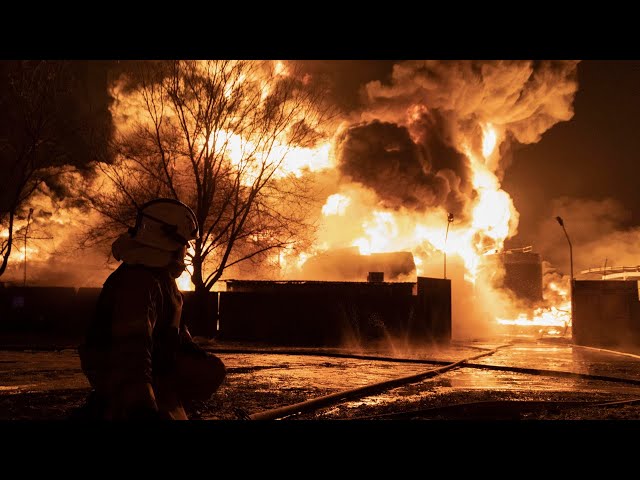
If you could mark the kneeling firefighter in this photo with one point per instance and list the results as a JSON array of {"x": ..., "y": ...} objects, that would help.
[{"x": 138, "y": 354}]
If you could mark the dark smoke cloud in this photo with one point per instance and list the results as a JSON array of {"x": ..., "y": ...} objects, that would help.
[
  {"x": 431, "y": 130},
  {"x": 408, "y": 144},
  {"x": 383, "y": 156}
]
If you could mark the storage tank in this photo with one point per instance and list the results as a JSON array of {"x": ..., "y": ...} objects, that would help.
[{"x": 522, "y": 272}]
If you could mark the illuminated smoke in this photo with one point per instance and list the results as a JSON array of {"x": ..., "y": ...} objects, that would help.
[
  {"x": 451, "y": 109},
  {"x": 521, "y": 98},
  {"x": 599, "y": 233}
]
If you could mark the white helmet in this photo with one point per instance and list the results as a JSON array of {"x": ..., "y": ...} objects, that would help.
[{"x": 165, "y": 223}]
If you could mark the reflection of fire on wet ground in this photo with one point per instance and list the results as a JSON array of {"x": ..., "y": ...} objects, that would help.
[
  {"x": 465, "y": 384},
  {"x": 559, "y": 333},
  {"x": 46, "y": 384}
]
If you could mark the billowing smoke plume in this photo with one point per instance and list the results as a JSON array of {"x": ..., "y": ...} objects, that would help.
[
  {"x": 523, "y": 98},
  {"x": 383, "y": 156},
  {"x": 416, "y": 134},
  {"x": 435, "y": 139}
]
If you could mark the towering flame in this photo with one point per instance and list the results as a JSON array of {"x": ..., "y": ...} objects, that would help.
[{"x": 488, "y": 141}]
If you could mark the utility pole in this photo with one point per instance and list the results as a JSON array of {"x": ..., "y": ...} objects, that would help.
[
  {"x": 559, "y": 219},
  {"x": 561, "y": 222},
  {"x": 446, "y": 235}
]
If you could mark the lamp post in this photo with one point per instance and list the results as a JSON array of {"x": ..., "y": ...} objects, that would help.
[
  {"x": 559, "y": 220},
  {"x": 446, "y": 235}
]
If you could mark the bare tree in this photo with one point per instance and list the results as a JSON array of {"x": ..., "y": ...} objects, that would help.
[
  {"x": 215, "y": 135},
  {"x": 44, "y": 127}
]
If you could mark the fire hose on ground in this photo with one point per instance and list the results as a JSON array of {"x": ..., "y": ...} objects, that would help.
[
  {"x": 595, "y": 349},
  {"x": 483, "y": 366},
  {"x": 357, "y": 392},
  {"x": 334, "y": 354},
  {"x": 320, "y": 402}
]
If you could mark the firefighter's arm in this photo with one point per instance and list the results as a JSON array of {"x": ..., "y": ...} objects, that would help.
[{"x": 134, "y": 318}]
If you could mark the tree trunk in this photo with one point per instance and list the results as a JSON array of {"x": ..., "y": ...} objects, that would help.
[
  {"x": 197, "y": 277},
  {"x": 5, "y": 258}
]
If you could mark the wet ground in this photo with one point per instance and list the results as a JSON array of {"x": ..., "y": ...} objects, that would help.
[{"x": 523, "y": 379}]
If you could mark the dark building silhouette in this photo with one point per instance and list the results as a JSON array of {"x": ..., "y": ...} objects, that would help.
[{"x": 312, "y": 313}]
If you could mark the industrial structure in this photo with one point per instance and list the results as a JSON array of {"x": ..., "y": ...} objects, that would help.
[
  {"x": 606, "y": 312},
  {"x": 522, "y": 273}
]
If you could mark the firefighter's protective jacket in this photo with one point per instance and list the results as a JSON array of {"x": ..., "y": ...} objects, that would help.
[{"x": 132, "y": 346}]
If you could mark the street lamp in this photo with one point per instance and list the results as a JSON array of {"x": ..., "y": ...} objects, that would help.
[
  {"x": 449, "y": 220},
  {"x": 559, "y": 219}
]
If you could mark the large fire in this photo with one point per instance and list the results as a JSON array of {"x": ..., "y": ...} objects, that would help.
[
  {"x": 493, "y": 218},
  {"x": 352, "y": 215}
]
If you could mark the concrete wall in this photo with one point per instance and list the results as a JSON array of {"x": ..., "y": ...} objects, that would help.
[
  {"x": 290, "y": 313},
  {"x": 65, "y": 312},
  {"x": 606, "y": 313},
  {"x": 313, "y": 318},
  {"x": 433, "y": 319},
  {"x": 334, "y": 313}
]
